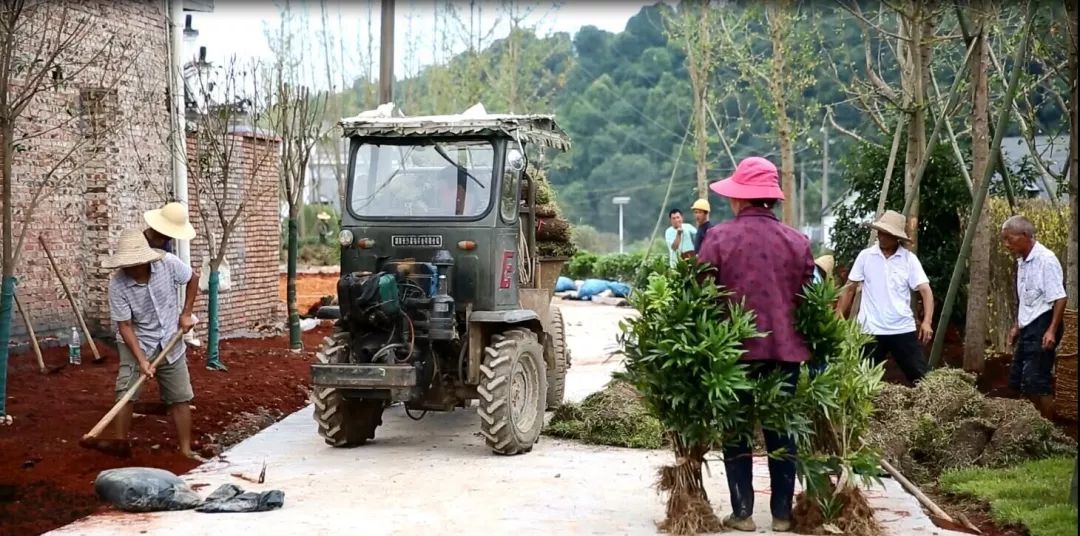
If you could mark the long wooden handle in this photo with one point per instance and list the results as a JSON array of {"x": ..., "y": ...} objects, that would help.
[
  {"x": 104, "y": 422},
  {"x": 71, "y": 299},
  {"x": 914, "y": 490},
  {"x": 30, "y": 333}
]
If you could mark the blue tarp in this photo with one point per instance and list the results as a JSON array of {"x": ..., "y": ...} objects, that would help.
[
  {"x": 591, "y": 288},
  {"x": 564, "y": 284}
]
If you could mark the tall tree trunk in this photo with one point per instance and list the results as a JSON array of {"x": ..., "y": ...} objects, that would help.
[
  {"x": 7, "y": 290},
  {"x": 1074, "y": 163},
  {"x": 979, "y": 265},
  {"x": 213, "y": 323},
  {"x": 295, "y": 341},
  {"x": 777, "y": 24},
  {"x": 700, "y": 63},
  {"x": 915, "y": 59}
]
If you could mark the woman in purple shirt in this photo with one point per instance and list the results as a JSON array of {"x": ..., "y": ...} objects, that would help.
[{"x": 765, "y": 264}]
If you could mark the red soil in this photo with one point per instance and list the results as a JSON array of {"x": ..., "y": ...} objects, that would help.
[
  {"x": 310, "y": 289},
  {"x": 46, "y": 479}
]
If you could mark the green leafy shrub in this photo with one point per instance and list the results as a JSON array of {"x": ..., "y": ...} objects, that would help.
[
  {"x": 617, "y": 266},
  {"x": 682, "y": 355},
  {"x": 581, "y": 265}
]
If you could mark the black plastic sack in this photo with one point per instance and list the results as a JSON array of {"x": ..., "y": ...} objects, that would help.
[
  {"x": 231, "y": 499},
  {"x": 144, "y": 489}
]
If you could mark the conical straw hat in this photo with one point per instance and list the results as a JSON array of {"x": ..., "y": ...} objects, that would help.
[
  {"x": 132, "y": 250},
  {"x": 171, "y": 220}
]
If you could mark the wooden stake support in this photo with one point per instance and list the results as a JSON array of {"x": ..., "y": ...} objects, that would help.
[
  {"x": 71, "y": 298},
  {"x": 30, "y": 333},
  {"x": 923, "y": 499}
]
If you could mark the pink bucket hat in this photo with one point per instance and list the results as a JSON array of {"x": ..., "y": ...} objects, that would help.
[{"x": 754, "y": 178}]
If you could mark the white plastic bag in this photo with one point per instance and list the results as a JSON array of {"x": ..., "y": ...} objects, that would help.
[{"x": 224, "y": 279}]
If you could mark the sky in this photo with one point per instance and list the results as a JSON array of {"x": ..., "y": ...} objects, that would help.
[{"x": 238, "y": 28}]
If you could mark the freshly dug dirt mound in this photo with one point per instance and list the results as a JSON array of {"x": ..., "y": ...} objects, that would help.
[
  {"x": 946, "y": 423},
  {"x": 613, "y": 416}
]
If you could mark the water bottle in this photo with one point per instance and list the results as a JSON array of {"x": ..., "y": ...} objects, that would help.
[{"x": 74, "y": 348}]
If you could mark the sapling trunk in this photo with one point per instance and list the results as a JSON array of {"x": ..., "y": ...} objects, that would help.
[
  {"x": 980, "y": 193},
  {"x": 7, "y": 302},
  {"x": 213, "y": 330},
  {"x": 290, "y": 286}
]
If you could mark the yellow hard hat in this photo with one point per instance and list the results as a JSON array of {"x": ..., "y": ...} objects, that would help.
[{"x": 702, "y": 205}]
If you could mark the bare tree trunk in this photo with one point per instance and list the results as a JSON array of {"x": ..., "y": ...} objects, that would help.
[
  {"x": 915, "y": 58},
  {"x": 1074, "y": 168},
  {"x": 700, "y": 64},
  {"x": 979, "y": 265},
  {"x": 777, "y": 22}
]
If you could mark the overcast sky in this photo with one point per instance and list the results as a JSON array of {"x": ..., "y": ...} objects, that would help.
[{"x": 238, "y": 27}]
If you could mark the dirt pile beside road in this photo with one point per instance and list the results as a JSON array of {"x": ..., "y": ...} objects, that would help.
[{"x": 946, "y": 423}]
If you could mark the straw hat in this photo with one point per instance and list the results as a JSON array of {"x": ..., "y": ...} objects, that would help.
[
  {"x": 132, "y": 250},
  {"x": 323, "y": 216},
  {"x": 171, "y": 220},
  {"x": 754, "y": 178},
  {"x": 891, "y": 223},
  {"x": 702, "y": 205},
  {"x": 827, "y": 264}
]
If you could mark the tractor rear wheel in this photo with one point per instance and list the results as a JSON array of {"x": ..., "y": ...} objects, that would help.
[
  {"x": 512, "y": 389},
  {"x": 556, "y": 376},
  {"x": 343, "y": 422}
]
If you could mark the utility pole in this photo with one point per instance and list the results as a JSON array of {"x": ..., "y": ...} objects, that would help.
[
  {"x": 621, "y": 201},
  {"x": 824, "y": 170},
  {"x": 386, "y": 53}
]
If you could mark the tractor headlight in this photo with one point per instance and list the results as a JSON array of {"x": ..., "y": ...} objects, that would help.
[{"x": 345, "y": 238}]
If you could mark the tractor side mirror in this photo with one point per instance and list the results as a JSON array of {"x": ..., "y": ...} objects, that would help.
[{"x": 515, "y": 160}]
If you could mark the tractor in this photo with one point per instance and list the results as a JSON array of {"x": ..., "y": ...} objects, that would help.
[{"x": 442, "y": 298}]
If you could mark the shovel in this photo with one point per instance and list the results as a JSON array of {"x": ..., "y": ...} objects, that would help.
[{"x": 122, "y": 447}]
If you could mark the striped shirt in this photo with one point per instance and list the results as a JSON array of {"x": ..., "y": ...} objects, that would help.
[{"x": 154, "y": 307}]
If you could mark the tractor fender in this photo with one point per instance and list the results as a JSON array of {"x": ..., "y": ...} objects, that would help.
[{"x": 482, "y": 324}]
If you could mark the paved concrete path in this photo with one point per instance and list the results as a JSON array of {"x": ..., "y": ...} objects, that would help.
[{"x": 436, "y": 477}]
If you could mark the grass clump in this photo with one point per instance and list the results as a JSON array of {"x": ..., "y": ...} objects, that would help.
[
  {"x": 1035, "y": 494},
  {"x": 614, "y": 416}
]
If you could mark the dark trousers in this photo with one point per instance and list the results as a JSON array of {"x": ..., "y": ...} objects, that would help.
[
  {"x": 739, "y": 462},
  {"x": 1032, "y": 371},
  {"x": 906, "y": 351}
]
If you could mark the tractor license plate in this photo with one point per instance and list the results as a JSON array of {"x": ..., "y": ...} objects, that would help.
[{"x": 416, "y": 241}]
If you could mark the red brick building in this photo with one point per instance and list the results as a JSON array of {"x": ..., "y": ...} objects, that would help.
[{"x": 131, "y": 173}]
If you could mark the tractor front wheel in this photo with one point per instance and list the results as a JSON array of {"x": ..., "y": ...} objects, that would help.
[
  {"x": 343, "y": 422},
  {"x": 513, "y": 387}
]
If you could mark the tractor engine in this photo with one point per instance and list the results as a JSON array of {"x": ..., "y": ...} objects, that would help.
[{"x": 401, "y": 314}]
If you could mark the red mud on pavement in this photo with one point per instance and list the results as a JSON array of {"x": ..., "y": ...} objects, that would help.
[{"x": 46, "y": 479}]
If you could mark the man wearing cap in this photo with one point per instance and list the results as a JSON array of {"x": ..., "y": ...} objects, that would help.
[
  {"x": 765, "y": 264},
  {"x": 1040, "y": 289},
  {"x": 679, "y": 237},
  {"x": 144, "y": 304},
  {"x": 888, "y": 273},
  {"x": 701, "y": 211}
]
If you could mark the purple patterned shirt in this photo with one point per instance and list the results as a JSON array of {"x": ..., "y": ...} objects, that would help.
[{"x": 766, "y": 263}]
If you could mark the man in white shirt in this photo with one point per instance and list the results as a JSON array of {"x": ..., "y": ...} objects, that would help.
[
  {"x": 887, "y": 274},
  {"x": 1040, "y": 291},
  {"x": 679, "y": 237}
]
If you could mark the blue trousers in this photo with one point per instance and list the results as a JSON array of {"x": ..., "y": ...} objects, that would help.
[{"x": 739, "y": 462}]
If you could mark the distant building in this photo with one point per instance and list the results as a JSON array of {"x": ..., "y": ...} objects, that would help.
[
  {"x": 324, "y": 170},
  {"x": 1053, "y": 153}
]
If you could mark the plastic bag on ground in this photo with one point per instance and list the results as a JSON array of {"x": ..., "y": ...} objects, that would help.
[
  {"x": 144, "y": 489},
  {"x": 620, "y": 290},
  {"x": 564, "y": 284},
  {"x": 230, "y": 498},
  {"x": 592, "y": 287}
]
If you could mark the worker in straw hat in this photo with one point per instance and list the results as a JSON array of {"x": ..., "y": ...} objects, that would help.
[
  {"x": 888, "y": 272},
  {"x": 144, "y": 304},
  {"x": 823, "y": 267},
  {"x": 765, "y": 265},
  {"x": 167, "y": 223},
  {"x": 701, "y": 211}
]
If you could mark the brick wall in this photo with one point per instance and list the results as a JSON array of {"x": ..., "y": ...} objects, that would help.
[
  {"x": 129, "y": 173},
  {"x": 120, "y": 167},
  {"x": 253, "y": 248}
]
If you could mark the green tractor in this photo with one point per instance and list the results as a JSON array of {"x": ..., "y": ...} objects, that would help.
[{"x": 442, "y": 298}]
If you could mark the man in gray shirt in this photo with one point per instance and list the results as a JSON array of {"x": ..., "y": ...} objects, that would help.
[{"x": 143, "y": 303}]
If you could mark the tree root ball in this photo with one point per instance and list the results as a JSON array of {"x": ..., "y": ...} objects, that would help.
[
  {"x": 688, "y": 509},
  {"x": 856, "y": 517}
]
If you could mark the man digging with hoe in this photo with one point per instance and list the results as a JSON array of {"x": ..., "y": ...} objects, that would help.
[{"x": 144, "y": 304}]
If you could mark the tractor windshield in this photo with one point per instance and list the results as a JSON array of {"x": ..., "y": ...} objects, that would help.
[{"x": 425, "y": 179}]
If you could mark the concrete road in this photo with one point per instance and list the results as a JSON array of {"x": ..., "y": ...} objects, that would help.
[{"x": 436, "y": 477}]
